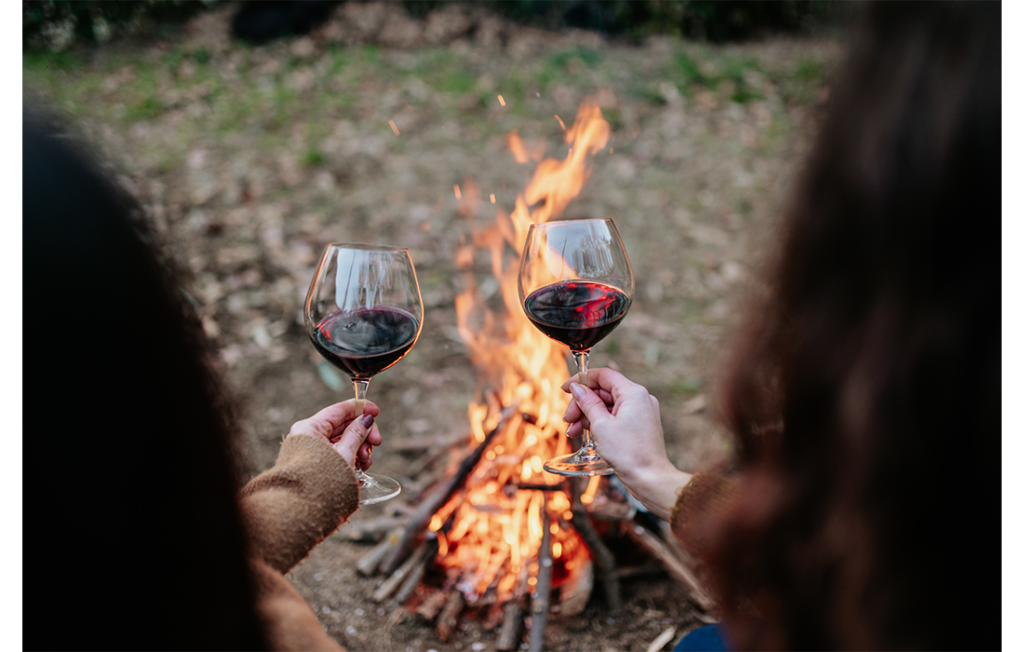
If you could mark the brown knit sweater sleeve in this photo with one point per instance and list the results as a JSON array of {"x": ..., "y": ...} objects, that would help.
[
  {"x": 293, "y": 506},
  {"x": 705, "y": 496}
]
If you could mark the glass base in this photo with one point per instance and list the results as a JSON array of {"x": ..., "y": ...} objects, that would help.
[
  {"x": 377, "y": 489},
  {"x": 578, "y": 464}
]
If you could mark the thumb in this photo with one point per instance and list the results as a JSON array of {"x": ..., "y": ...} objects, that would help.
[
  {"x": 590, "y": 404},
  {"x": 353, "y": 437}
]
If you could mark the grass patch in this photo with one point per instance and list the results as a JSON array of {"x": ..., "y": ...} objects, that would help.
[
  {"x": 588, "y": 56},
  {"x": 313, "y": 157},
  {"x": 732, "y": 72},
  {"x": 689, "y": 73},
  {"x": 456, "y": 82},
  {"x": 146, "y": 109},
  {"x": 806, "y": 78},
  {"x": 46, "y": 62},
  {"x": 614, "y": 119},
  {"x": 685, "y": 388}
]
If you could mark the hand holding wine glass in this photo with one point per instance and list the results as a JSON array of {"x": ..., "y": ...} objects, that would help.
[
  {"x": 349, "y": 432},
  {"x": 363, "y": 314},
  {"x": 576, "y": 285}
]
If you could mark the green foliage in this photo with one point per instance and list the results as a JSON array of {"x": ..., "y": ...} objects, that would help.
[
  {"x": 58, "y": 24},
  {"x": 713, "y": 20}
]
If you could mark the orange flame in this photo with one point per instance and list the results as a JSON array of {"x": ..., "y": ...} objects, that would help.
[{"x": 496, "y": 533}]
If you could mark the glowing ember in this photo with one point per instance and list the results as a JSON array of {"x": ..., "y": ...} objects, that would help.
[{"x": 496, "y": 531}]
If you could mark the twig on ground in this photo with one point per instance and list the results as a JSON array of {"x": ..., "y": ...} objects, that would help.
[
  {"x": 673, "y": 565},
  {"x": 540, "y": 603}
]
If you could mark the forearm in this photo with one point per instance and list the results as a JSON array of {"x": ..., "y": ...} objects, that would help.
[{"x": 293, "y": 506}]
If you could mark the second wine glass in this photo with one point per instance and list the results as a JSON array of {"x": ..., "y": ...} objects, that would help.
[
  {"x": 364, "y": 313},
  {"x": 576, "y": 285}
]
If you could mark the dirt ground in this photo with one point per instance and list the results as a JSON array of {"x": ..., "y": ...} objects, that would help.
[{"x": 248, "y": 160}]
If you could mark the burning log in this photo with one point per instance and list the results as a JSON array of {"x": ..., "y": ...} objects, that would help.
[
  {"x": 449, "y": 617},
  {"x": 600, "y": 553},
  {"x": 651, "y": 543},
  {"x": 421, "y": 518},
  {"x": 542, "y": 592},
  {"x": 577, "y": 587}
]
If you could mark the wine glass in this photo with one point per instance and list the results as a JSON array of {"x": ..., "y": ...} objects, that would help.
[
  {"x": 576, "y": 285},
  {"x": 364, "y": 313}
]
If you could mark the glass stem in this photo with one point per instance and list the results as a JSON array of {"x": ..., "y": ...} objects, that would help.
[
  {"x": 360, "y": 386},
  {"x": 582, "y": 358}
]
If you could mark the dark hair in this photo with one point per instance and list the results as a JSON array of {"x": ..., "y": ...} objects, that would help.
[
  {"x": 864, "y": 389},
  {"x": 133, "y": 537}
]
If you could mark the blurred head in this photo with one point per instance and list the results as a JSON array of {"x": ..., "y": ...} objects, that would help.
[
  {"x": 864, "y": 389},
  {"x": 133, "y": 538}
]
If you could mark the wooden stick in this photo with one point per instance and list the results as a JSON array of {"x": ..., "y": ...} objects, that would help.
[
  {"x": 440, "y": 496},
  {"x": 600, "y": 553},
  {"x": 508, "y": 639},
  {"x": 418, "y": 570},
  {"x": 431, "y": 606},
  {"x": 512, "y": 626},
  {"x": 392, "y": 583},
  {"x": 372, "y": 530},
  {"x": 368, "y": 563},
  {"x": 541, "y": 594},
  {"x": 653, "y": 569},
  {"x": 418, "y": 469},
  {"x": 419, "y": 443},
  {"x": 449, "y": 617},
  {"x": 675, "y": 568}
]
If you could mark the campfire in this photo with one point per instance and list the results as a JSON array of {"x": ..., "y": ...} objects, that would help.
[{"x": 498, "y": 534}]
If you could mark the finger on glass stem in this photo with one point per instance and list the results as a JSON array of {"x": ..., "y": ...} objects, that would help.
[{"x": 375, "y": 438}]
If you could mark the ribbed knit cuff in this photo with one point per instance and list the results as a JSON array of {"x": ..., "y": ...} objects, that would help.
[{"x": 704, "y": 497}]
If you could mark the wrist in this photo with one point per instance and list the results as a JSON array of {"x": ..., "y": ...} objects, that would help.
[{"x": 657, "y": 488}]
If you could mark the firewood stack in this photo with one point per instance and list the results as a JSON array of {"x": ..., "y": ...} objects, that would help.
[{"x": 414, "y": 547}]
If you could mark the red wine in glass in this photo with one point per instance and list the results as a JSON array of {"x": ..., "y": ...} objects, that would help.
[
  {"x": 575, "y": 286},
  {"x": 579, "y": 314},
  {"x": 363, "y": 314},
  {"x": 365, "y": 341}
]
